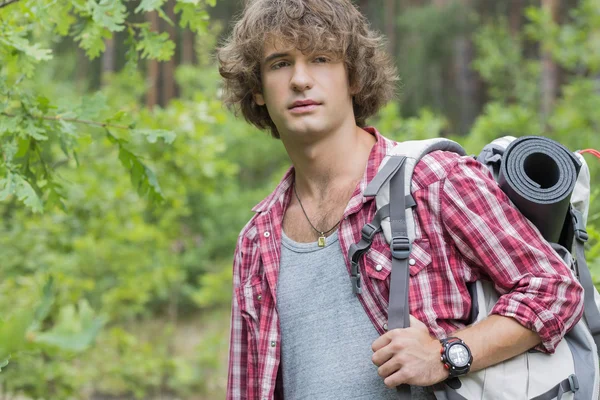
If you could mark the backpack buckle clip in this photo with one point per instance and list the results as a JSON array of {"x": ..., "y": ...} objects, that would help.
[
  {"x": 400, "y": 247},
  {"x": 578, "y": 226},
  {"x": 573, "y": 383},
  {"x": 368, "y": 231}
]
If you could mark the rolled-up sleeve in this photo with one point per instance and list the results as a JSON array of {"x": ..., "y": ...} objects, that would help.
[{"x": 537, "y": 288}]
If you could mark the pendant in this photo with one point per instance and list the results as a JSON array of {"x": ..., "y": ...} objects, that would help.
[{"x": 322, "y": 241}]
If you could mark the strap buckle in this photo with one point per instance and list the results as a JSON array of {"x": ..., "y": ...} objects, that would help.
[
  {"x": 400, "y": 247},
  {"x": 573, "y": 383},
  {"x": 578, "y": 226},
  {"x": 368, "y": 232}
]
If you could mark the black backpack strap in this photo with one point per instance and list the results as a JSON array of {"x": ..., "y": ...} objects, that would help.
[
  {"x": 400, "y": 246},
  {"x": 358, "y": 249}
]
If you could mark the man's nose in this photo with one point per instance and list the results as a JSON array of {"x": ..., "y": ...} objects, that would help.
[{"x": 301, "y": 79}]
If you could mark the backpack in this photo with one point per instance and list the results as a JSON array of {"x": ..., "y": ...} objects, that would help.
[{"x": 562, "y": 190}]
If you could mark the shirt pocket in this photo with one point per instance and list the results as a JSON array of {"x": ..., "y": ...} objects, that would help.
[
  {"x": 249, "y": 297},
  {"x": 378, "y": 260}
]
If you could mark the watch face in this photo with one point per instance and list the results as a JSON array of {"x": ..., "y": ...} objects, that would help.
[{"x": 458, "y": 355}]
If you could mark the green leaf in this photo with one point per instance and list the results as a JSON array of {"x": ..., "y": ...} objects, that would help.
[
  {"x": 156, "y": 46},
  {"x": 31, "y": 50},
  {"x": 42, "y": 311},
  {"x": 12, "y": 149},
  {"x": 142, "y": 177},
  {"x": 193, "y": 16},
  {"x": 91, "y": 39},
  {"x": 75, "y": 330},
  {"x": 153, "y": 134},
  {"x": 15, "y": 185},
  {"x": 30, "y": 128},
  {"x": 149, "y": 5},
  {"x": 27, "y": 195},
  {"x": 8, "y": 125},
  {"x": 13, "y": 331},
  {"x": 4, "y": 363},
  {"x": 110, "y": 14}
]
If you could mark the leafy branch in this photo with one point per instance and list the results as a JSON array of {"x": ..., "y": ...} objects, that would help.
[
  {"x": 7, "y": 3},
  {"x": 76, "y": 120}
]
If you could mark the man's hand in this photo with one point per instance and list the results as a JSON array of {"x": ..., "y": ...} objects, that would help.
[{"x": 409, "y": 356}]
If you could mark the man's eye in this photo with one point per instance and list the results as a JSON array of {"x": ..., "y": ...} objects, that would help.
[
  {"x": 279, "y": 64},
  {"x": 321, "y": 59}
]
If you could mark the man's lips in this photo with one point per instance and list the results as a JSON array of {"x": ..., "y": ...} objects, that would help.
[
  {"x": 303, "y": 106},
  {"x": 304, "y": 103}
]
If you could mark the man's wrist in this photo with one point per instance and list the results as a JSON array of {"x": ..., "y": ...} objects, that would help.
[{"x": 440, "y": 373}]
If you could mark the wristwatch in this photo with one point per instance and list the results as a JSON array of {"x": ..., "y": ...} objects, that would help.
[{"x": 456, "y": 356}]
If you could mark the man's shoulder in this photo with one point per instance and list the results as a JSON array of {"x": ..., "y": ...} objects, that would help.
[
  {"x": 435, "y": 167},
  {"x": 249, "y": 231},
  {"x": 273, "y": 202}
]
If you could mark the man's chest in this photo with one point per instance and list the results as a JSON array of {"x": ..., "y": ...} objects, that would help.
[{"x": 306, "y": 224}]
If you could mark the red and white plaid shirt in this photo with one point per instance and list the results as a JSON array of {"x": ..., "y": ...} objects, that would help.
[{"x": 466, "y": 229}]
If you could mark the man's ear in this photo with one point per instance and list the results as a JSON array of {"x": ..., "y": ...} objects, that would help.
[{"x": 259, "y": 99}]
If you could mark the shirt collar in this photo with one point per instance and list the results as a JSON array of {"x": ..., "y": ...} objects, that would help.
[{"x": 378, "y": 152}]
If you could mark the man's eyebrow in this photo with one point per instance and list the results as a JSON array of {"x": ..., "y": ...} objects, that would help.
[{"x": 273, "y": 56}]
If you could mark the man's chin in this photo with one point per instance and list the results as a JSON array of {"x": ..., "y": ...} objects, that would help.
[{"x": 307, "y": 131}]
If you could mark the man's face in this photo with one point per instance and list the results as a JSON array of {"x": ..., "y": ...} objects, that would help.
[{"x": 306, "y": 95}]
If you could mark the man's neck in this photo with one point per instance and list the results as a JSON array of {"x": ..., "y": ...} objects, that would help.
[{"x": 332, "y": 163}]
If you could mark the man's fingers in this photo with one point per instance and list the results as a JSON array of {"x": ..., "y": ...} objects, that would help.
[
  {"x": 391, "y": 366},
  {"x": 381, "y": 341},
  {"x": 382, "y": 355},
  {"x": 395, "y": 379}
]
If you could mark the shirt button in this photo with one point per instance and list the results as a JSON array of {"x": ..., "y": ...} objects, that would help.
[
  {"x": 385, "y": 326},
  {"x": 273, "y": 344},
  {"x": 378, "y": 267},
  {"x": 259, "y": 297},
  {"x": 267, "y": 234},
  {"x": 412, "y": 261}
]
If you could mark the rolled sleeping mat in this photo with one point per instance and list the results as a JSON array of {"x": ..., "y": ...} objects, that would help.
[{"x": 539, "y": 175}]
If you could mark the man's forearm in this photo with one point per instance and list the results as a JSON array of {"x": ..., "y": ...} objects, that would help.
[{"x": 497, "y": 339}]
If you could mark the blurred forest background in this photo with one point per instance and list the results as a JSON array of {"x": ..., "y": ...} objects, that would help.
[{"x": 124, "y": 182}]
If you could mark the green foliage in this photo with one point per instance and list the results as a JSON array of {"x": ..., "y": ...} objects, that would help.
[
  {"x": 25, "y": 32},
  {"x": 501, "y": 62},
  {"x": 155, "y": 46},
  {"x": 576, "y": 45},
  {"x": 423, "y": 53}
]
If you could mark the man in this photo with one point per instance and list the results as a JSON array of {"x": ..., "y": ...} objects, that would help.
[{"x": 311, "y": 72}]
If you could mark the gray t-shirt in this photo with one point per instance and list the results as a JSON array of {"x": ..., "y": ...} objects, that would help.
[{"x": 326, "y": 334}]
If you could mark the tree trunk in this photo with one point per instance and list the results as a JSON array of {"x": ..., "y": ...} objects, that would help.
[
  {"x": 390, "y": 25},
  {"x": 467, "y": 81},
  {"x": 83, "y": 68},
  {"x": 108, "y": 59},
  {"x": 169, "y": 86},
  {"x": 152, "y": 76},
  {"x": 549, "y": 84},
  {"x": 188, "y": 53},
  {"x": 363, "y": 5},
  {"x": 516, "y": 16}
]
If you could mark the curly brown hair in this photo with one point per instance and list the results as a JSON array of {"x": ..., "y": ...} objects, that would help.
[{"x": 333, "y": 26}]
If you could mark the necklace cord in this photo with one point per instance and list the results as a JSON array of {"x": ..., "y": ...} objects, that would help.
[{"x": 308, "y": 219}]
